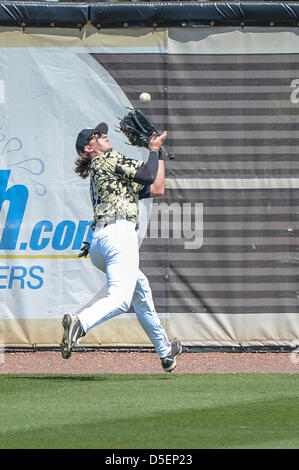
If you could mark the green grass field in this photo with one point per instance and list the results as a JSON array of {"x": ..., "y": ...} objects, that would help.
[{"x": 186, "y": 411}]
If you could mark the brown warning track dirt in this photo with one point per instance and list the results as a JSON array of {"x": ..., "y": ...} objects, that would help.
[{"x": 102, "y": 362}]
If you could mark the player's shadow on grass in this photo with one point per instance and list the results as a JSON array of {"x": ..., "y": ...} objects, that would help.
[
  {"x": 89, "y": 378},
  {"x": 61, "y": 378}
]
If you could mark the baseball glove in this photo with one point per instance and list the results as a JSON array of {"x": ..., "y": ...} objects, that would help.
[{"x": 137, "y": 128}]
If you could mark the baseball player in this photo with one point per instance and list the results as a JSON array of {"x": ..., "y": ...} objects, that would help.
[{"x": 116, "y": 185}]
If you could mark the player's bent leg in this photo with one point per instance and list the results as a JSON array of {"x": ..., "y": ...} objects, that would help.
[{"x": 118, "y": 246}]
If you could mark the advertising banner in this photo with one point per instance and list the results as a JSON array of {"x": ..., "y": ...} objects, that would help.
[
  {"x": 233, "y": 121},
  {"x": 220, "y": 248},
  {"x": 52, "y": 87}
]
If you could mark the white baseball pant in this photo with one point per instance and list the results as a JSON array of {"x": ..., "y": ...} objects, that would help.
[{"x": 114, "y": 250}]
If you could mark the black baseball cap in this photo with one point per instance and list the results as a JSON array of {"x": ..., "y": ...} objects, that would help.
[{"x": 85, "y": 135}]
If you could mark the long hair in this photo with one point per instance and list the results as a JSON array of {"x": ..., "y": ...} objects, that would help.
[{"x": 82, "y": 164}]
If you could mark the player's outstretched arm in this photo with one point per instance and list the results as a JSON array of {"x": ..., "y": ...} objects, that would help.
[{"x": 158, "y": 186}]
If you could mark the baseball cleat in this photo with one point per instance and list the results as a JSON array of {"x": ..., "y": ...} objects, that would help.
[
  {"x": 73, "y": 331},
  {"x": 169, "y": 362}
]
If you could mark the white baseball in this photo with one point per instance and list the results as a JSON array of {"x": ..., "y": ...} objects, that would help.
[{"x": 145, "y": 98}]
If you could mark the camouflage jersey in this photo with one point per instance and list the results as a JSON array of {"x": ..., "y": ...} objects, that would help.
[{"x": 113, "y": 192}]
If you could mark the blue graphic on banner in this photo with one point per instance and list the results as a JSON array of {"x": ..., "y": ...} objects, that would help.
[
  {"x": 43, "y": 235},
  {"x": 39, "y": 188},
  {"x": 21, "y": 277},
  {"x": 66, "y": 234}
]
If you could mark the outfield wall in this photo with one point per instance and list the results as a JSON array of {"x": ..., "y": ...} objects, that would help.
[{"x": 220, "y": 249}]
